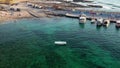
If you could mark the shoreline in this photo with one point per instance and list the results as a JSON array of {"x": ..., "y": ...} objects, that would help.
[
  {"x": 24, "y": 15},
  {"x": 7, "y": 16},
  {"x": 29, "y": 10}
]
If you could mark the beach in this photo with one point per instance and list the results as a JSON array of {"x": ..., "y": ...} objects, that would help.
[{"x": 6, "y": 16}]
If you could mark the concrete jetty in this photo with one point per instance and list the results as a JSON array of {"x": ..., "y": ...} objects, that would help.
[{"x": 112, "y": 16}]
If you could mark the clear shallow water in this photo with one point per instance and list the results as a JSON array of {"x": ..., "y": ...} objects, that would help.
[{"x": 29, "y": 43}]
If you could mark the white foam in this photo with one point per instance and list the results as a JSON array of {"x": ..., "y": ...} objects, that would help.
[{"x": 106, "y": 7}]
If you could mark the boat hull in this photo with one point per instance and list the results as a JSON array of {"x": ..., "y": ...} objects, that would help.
[{"x": 60, "y": 43}]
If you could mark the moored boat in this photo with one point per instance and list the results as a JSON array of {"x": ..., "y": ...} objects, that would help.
[
  {"x": 117, "y": 24},
  {"x": 93, "y": 20},
  {"x": 99, "y": 22},
  {"x": 82, "y": 18},
  {"x": 71, "y": 15},
  {"x": 106, "y": 23}
]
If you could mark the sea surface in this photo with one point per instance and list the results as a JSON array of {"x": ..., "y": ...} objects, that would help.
[
  {"x": 29, "y": 43},
  {"x": 114, "y": 5},
  {"x": 108, "y": 5},
  {"x": 110, "y": 2}
]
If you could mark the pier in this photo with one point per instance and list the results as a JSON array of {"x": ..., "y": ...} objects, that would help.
[{"x": 112, "y": 16}]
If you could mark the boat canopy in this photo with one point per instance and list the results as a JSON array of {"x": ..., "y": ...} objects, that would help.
[
  {"x": 118, "y": 21},
  {"x": 82, "y": 18}
]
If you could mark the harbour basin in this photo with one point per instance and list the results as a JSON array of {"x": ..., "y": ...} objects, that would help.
[{"x": 29, "y": 43}]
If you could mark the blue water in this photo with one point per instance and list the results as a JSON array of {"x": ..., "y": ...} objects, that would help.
[
  {"x": 111, "y": 4},
  {"x": 29, "y": 43},
  {"x": 114, "y": 2}
]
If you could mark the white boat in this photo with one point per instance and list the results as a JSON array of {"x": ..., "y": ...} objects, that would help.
[
  {"x": 99, "y": 22},
  {"x": 106, "y": 23},
  {"x": 60, "y": 42},
  {"x": 117, "y": 24},
  {"x": 93, "y": 21},
  {"x": 82, "y": 19},
  {"x": 71, "y": 15}
]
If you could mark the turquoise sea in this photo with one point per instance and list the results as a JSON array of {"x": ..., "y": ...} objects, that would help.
[{"x": 29, "y": 43}]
